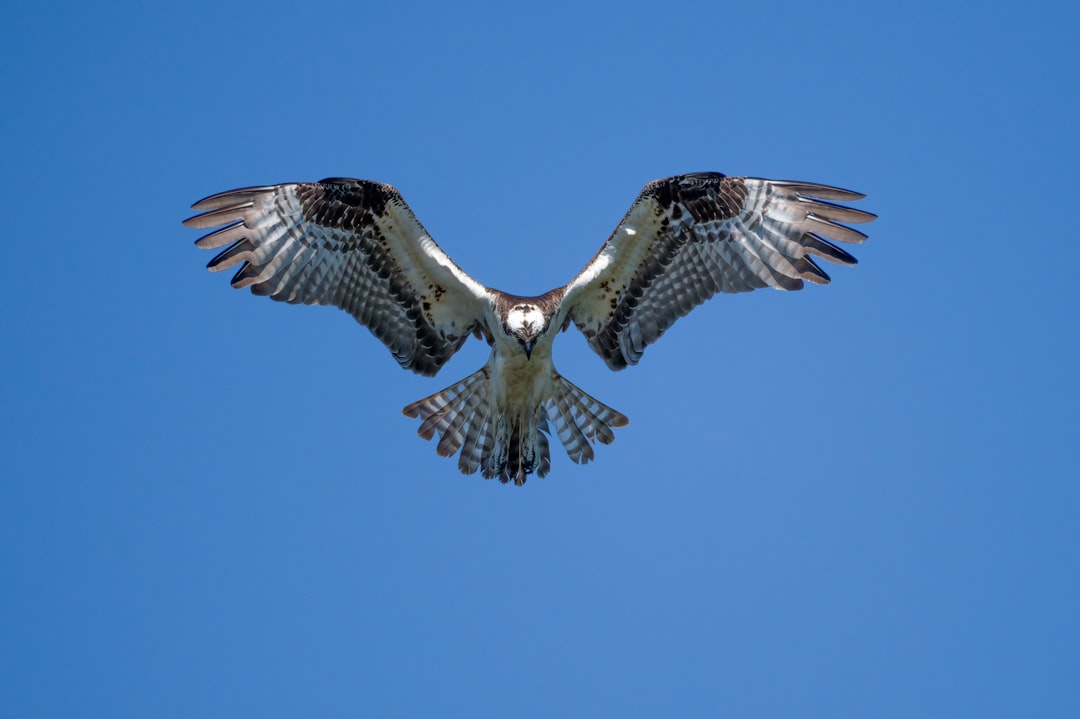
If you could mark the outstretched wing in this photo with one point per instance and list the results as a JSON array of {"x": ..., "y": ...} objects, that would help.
[
  {"x": 353, "y": 244},
  {"x": 688, "y": 237}
]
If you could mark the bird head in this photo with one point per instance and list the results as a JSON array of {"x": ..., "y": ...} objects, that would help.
[{"x": 525, "y": 322}]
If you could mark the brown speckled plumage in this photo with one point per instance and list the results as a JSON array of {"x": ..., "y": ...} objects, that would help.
[{"x": 356, "y": 245}]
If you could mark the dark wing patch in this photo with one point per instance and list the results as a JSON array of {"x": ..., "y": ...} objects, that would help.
[
  {"x": 688, "y": 237},
  {"x": 353, "y": 244}
]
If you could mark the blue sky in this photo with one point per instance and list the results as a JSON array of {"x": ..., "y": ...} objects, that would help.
[{"x": 857, "y": 500}]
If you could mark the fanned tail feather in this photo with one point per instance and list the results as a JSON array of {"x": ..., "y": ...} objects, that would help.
[
  {"x": 581, "y": 419},
  {"x": 463, "y": 417},
  {"x": 459, "y": 415},
  {"x": 506, "y": 448}
]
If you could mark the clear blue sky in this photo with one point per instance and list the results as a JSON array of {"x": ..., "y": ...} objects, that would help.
[{"x": 853, "y": 501}]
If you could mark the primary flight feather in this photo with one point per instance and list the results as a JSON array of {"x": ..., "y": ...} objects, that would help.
[{"x": 356, "y": 245}]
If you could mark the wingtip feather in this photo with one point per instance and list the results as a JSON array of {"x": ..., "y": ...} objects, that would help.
[
  {"x": 231, "y": 197},
  {"x": 836, "y": 213},
  {"x": 218, "y": 217},
  {"x": 222, "y": 237},
  {"x": 816, "y": 190}
]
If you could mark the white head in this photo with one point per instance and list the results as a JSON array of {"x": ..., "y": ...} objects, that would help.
[
  {"x": 525, "y": 319},
  {"x": 526, "y": 322}
]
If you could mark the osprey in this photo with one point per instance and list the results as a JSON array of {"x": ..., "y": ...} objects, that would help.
[{"x": 356, "y": 245}]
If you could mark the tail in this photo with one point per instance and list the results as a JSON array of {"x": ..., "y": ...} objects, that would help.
[
  {"x": 511, "y": 447},
  {"x": 581, "y": 419}
]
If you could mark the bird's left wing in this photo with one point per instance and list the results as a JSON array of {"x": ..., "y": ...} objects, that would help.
[
  {"x": 353, "y": 244},
  {"x": 688, "y": 237}
]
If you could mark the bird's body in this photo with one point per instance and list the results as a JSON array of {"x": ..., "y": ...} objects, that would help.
[
  {"x": 498, "y": 416},
  {"x": 355, "y": 244}
]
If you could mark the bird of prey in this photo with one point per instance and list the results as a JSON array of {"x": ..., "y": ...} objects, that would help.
[{"x": 356, "y": 245}]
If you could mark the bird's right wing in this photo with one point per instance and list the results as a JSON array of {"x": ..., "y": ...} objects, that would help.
[{"x": 353, "y": 244}]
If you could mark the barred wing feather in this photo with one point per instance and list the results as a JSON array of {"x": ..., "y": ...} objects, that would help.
[
  {"x": 353, "y": 244},
  {"x": 689, "y": 237}
]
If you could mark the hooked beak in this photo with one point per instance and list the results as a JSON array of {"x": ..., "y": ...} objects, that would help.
[{"x": 528, "y": 347}]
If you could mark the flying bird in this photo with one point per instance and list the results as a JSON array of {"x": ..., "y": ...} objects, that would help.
[{"x": 356, "y": 245}]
